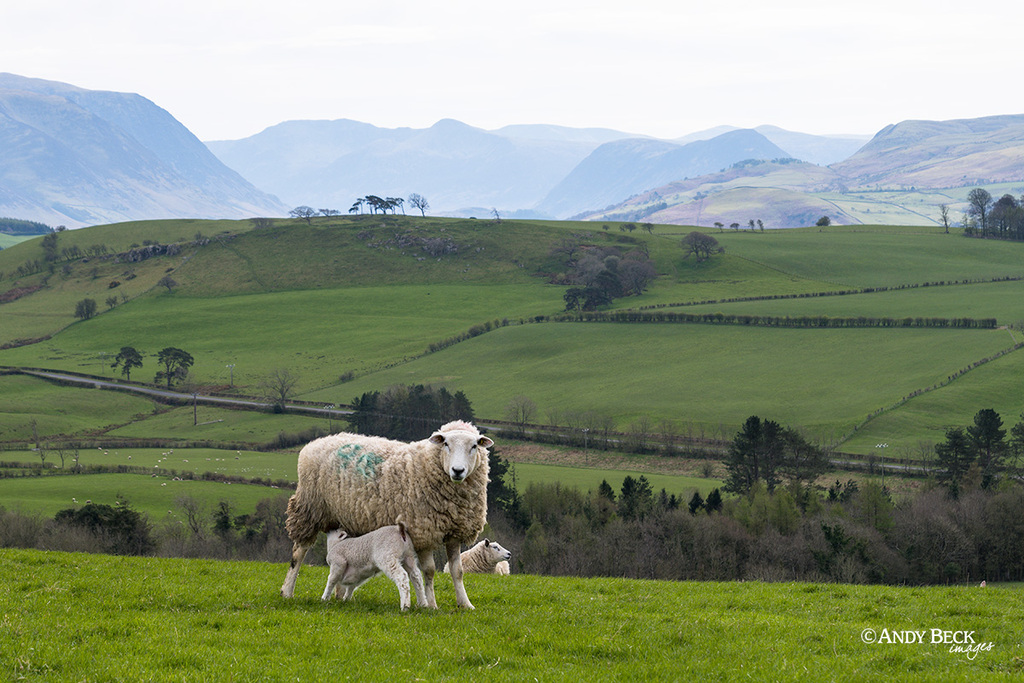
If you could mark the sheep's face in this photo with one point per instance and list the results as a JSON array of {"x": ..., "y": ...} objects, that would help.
[
  {"x": 496, "y": 553},
  {"x": 460, "y": 452}
]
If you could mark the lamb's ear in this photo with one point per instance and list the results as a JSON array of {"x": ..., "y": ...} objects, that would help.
[
  {"x": 437, "y": 438},
  {"x": 484, "y": 442},
  {"x": 487, "y": 543}
]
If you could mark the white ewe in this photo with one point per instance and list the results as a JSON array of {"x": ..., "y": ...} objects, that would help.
[
  {"x": 354, "y": 561},
  {"x": 437, "y": 487},
  {"x": 486, "y": 557}
]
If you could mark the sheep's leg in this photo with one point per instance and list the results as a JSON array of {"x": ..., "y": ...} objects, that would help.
[
  {"x": 298, "y": 555},
  {"x": 412, "y": 567},
  {"x": 396, "y": 572},
  {"x": 428, "y": 567},
  {"x": 455, "y": 567}
]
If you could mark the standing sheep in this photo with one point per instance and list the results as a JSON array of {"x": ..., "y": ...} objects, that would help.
[
  {"x": 486, "y": 557},
  {"x": 437, "y": 487}
]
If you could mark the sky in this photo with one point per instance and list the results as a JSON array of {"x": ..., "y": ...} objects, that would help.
[{"x": 228, "y": 69}]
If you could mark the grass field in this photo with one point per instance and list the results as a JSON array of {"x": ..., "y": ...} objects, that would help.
[
  {"x": 154, "y": 496},
  {"x": 827, "y": 381},
  {"x": 82, "y": 617}
]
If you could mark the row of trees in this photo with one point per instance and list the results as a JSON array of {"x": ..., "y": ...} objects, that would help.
[
  {"x": 408, "y": 413},
  {"x": 988, "y": 217},
  {"x": 372, "y": 202},
  {"x": 175, "y": 362}
]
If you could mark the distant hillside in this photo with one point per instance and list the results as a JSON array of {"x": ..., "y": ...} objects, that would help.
[
  {"x": 453, "y": 165},
  {"x": 626, "y": 167},
  {"x": 941, "y": 154},
  {"x": 78, "y": 157},
  {"x": 900, "y": 177}
]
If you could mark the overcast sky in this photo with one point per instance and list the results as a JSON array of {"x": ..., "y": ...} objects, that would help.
[{"x": 230, "y": 68}]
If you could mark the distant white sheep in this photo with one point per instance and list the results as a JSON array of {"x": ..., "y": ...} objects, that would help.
[
  {"x": 437, "y": 487},
  {"x": 354, "y": 561},
  {"x": 486, "y": 557}
]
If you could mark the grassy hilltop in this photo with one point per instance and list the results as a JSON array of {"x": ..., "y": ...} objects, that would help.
[{"x": 352, "y": 304}]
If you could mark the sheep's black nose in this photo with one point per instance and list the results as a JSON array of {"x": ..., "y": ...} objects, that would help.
[{"x": 457, "y": 472}]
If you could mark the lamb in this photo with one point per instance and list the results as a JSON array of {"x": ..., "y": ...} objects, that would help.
[
  {"x": 437, "y": 487},
  {"x": 486, "y": 557},
  {"x": 354, "y": 561}
]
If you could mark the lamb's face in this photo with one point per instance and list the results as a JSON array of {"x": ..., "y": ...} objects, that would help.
[
  {"x": 460, "y": 451},
  {"x": 496, "y": 553}
]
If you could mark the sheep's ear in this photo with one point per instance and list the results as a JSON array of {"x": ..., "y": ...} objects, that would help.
[
  {"x": 484, "y": 442},
  {"x": 487, "y": 543},
  {"x": 437, "y": 438}
]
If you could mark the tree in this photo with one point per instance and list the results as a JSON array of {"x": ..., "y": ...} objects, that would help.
[
  {"x": 988, "y": 442},
  {"x": 760, "y": 225},
  {"x": 701, "y": 245},
  {"x": 954, "y": 457},
  {"x": 944, "y": 216},
  {"x": 824, "y": 222},
  {"x": 803, "y": 461},
  {"x": 278, "y": 386},
  {"x": 49, "y": 245},
  {"x": 714, "y": 501},
  {"x": 636, "y": 499},
  {"x": 978, "y": 202},
  {"x": 750, "y": 224},
  {"x": 419, "y": 202},
  {"x": 719, "y": 225},
  {"x": 168, "y": 282},
  {"x": 327, "y": 213},
  {"x": 696, "y": 503},
  {"x": 304, "y": 212},
  {"x": 357, "y": 206},
  {"x": 734, "y": 226},
  {"x": 85, "y": 309},
  {"x": 176, "y": 364},
  {"x": 520, "y": 411},
  {"x": 756, "y": 454},
  {"x": 128, "y": 358}
]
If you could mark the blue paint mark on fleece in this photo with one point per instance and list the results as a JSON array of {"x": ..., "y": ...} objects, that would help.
[{"x": 364, "y": 462}]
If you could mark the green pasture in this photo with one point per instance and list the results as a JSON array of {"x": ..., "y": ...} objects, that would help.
[
  {"x": 71, "y": 616},
  {"x": 1003, "y": 301},
  {"x": 227, "y": 461},
  {"x": 866, "y": 256},
  {"x": 826, "y": 380},
  {"x": 154, "y": 495},
  {"x": 222, "y": 425},
  {"x": 52, "y": 309},
  {"x": 317, "y": 335},
  {"x": 923, "y": 420},
  {"x": 59, "y": 410},
  {"x": 589, "y": 478},
  {"x": 8, "y": 241}
]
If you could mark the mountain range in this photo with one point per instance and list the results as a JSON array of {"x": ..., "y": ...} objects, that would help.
[
  {"x": 539, "y": 170},
  {"x": 79, "y": 157},
  {"x": 76, "y": 157}
]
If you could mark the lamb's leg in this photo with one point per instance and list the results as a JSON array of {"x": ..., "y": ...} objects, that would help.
[
  {"x": 396, "y": 572},
  {"x": 337, "y": 571},
  {"x": 298, "y": 555},
  {"x": 427, "y": 565},
  {"x": 412, "y": 567},
  {"x": 455, "y": 567}
]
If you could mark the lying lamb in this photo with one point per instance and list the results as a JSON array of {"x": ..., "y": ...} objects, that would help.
[
  {"x": 485, "y": 557},
  {"x": 354, "y": 561}
]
